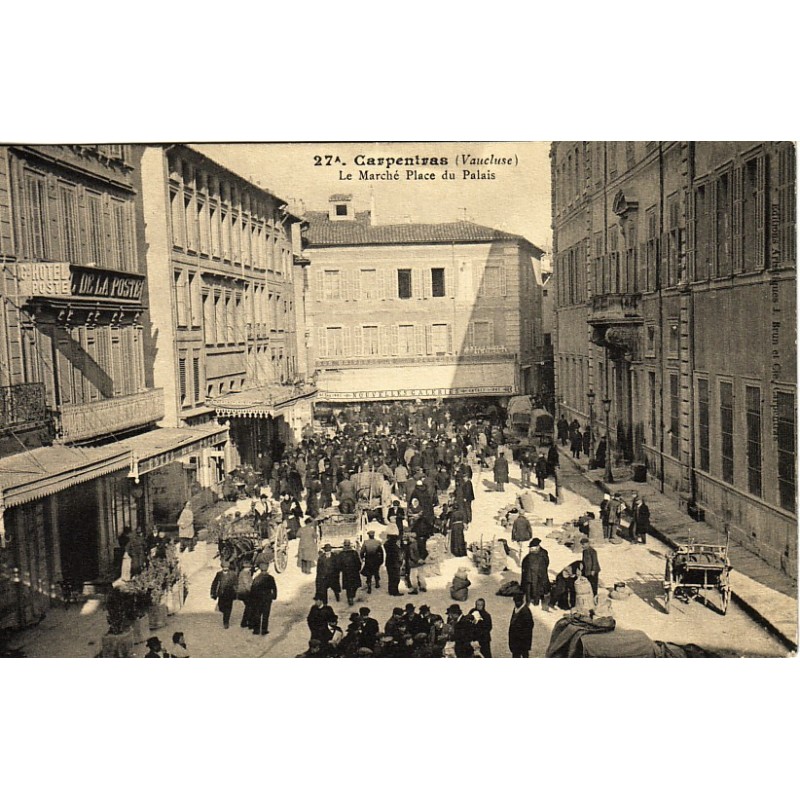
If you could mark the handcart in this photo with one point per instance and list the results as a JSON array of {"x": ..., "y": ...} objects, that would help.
[{"x": 696, "y": 567}]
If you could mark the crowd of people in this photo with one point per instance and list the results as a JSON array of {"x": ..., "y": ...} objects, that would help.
[{"x": 409, "y": 632}]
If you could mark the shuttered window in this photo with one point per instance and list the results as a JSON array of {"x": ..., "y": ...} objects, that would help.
[
  {"x": 753, "y": 415},
  {"x": 703, "y": 427},
  {"x": 182, "y": 380},
  {"x": 70, "y": 239},
  {"x": 726, "y": 429},
  {"x": 785, "y": 424},
  {"x": 95, "y": 225},
  {"x": 674, "y": 414},
  {"x": 36, "y": 197}
]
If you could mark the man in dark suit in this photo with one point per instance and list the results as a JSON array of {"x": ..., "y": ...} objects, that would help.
[
  {"x": 328, "y": 574},
  {"x": 520, "y": 628},
  {"x": 591, "y": 564},
  {"x": 535, "y": 580},
  {"x": 263, "y": 592},
  {"x": 463, "y": 631},
  {"x": 223, "y": 590}
]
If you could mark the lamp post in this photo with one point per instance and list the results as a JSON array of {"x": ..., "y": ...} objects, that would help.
[
  {"x": 590, "y": 397},
  {"x": 608, "y": 477}
]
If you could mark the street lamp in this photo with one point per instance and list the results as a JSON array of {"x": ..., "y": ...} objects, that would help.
[
  {"x": 608, "y": 477},
  {"x": 590, "y": 397}
]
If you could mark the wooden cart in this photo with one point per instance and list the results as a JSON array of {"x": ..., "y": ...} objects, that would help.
[
  {"x": 241, "y": 542},
  {"x": 694, "y": 568}
]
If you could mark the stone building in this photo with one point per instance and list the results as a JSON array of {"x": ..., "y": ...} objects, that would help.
[
  {"x": 225, "y": 281},
  {"x": 399, "y": 312},
  {"x": 78, "y": 403},
  {"x": 675, "y": 271}
]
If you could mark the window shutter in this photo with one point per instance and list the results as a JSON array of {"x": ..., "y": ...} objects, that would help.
[
  {"x": 500, "y": 332},
  {"x": 450, "y": 338},
  {"x": 392, "y": 340},
  {"x": 490, "y": 334},
  {"x": 761, "y": 186},
  {"x": 427, "y": 282},
  {"x": 711, "y": 226},
  {"x": 477, "y": 278},
  {"x": 347, "y": 342},
  {"x": 691, "y": 234},
  {"x": 419, "y": 335},
  {"x": 471, "y": 336},
  {"x": 355, "y": 284},
  {"x": 450, "y": 281},
  {"x": 428, "y": 339},
  {"x": 736, "y": 236},
  {"x": 322, "y": 343},
  {"x": 319, "y": 285},
  {"x": 503, "y": 280},
  {"x": 357, "y": 342}
]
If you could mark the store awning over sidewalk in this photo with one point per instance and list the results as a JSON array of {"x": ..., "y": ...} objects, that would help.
[
  {"x": 154, "y": 449},
  {"x": 260, "y": 401},
  {"x": 44, "y": 471}
]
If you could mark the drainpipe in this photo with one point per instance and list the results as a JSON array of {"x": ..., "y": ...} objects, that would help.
[
  {"x": 661, "y": 304},
  {"x": 692, "y": 443}
]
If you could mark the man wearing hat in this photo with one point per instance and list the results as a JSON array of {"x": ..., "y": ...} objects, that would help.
[
  {"x": 394, "y": 559},
  {"x": 535, "y": 581},
  {"x": 372, "y": 553},
  {"x": 153, "y": 648},
  {"x": 416, "y": 565},
  {"x": 328, "y": 574},
  {"x": 318, "y": 619},
  {"x": 463, "y": 631},
  {"x": 591, "y": 564},
  {"x": 350, "y": 568},
  {"x": 520, "y": 628}
]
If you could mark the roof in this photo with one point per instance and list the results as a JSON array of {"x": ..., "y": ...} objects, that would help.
[
  {"x": 47, "y": 470},
  {"x": 324, "y": 232},
  {"x": 259, "y": 401}
]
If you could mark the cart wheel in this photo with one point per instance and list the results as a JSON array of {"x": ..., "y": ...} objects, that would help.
[{"x": 281, "y": 546}]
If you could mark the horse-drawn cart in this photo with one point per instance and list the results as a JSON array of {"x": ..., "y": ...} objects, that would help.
[
  {"x": 240, "y": 542},
  {"x": 693, "y": 568}
]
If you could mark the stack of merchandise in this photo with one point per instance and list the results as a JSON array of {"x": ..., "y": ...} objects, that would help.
[
  {"x": 584, "y": 597},
  {"x": 526, "y": 500},
  {"x": 437, "y": 552}
]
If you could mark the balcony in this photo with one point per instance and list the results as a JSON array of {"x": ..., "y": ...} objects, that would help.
[
  {"x": 615, "y": 308},
  {"x": 23, "y": 407},
  {"x": 103, "y": 417}
]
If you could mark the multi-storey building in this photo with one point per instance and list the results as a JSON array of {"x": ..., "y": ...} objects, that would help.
[
  {"x": 394, "y": 312},
  {"x": 675, "y": 267},
  {"x": 223, "y": 260},
  {"x": 78, "y": 403}
]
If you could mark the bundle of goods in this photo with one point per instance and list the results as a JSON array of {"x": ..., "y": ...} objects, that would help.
[
  {"x": 437, "y": 552},
  {"x": 489, "y": 557},
  {"x": 620, "y": 592},
  {"x": 584, "y": 597},
  {"x": 509, "y": 589},
  {"x": 526, "y": 500}
]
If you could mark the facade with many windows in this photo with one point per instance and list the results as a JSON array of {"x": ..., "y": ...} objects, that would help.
[
  {"x": 79, "y": 447},
  {"x": 420, "y": 311},
  {"x": 222, "y": 269},
  {"x": 675, "y": 270}
]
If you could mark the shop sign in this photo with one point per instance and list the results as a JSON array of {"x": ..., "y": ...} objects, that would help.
[
  {"x": 60, "y": 279},
  {"x": 458, "y": 391}
]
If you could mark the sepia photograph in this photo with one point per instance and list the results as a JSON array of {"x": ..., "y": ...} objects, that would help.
[{"x": 514, "y": 399}]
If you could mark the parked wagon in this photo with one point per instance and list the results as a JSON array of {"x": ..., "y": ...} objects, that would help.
[{"x": 694, "y": 568}]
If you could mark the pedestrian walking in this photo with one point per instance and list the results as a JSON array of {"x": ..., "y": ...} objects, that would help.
[
  {"x": 223, "y": 590},
  {"x": 482, "y": 621},
  {"x": 576, "y": 443},
  {"x": 372, "y": 555},
  {"x": 394, "y": 560},
  {"x": 416, "y": 565},
  {"x": 350, "y": 569},
  {"x": 541, "y": 472},
  {"x": 642, "y": 518},
  {"x": 500, "y": 470},
  {"x": 525, "y": 468},
  {"x": 520, "y": 628},
  {"x": 328, "y": 574},
  {"x": 535, "y": 580},
  {"x": 307, "y": 547},
  {"x": 563, "y": 428},
  {"x": 458, "y": 544},
  {"x": 604, "y": 508},
  {"x": 263, "y": 593},
  {"x": 186, "y": 536},
  {"x": 591, "y": 564}
]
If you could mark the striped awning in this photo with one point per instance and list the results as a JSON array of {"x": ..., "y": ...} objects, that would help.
[{"x": 260, "y": 401}]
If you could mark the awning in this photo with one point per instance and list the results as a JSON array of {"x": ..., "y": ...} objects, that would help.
[
  {"x": 44, "y": 471},
  {"x": 260, "y": 401},
  {"x": 157, "y": 448}
]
